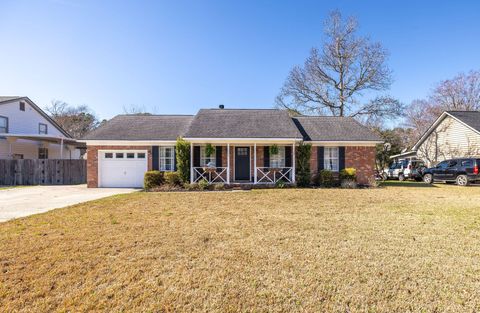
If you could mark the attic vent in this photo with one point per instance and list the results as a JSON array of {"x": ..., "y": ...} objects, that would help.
[{"x": 221, "y": 106}]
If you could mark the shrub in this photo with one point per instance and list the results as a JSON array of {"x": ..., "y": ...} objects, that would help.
[
  {"x": 203, "y": 184},
  {"x": 219, "y": 187},
  {"x": 280, "y": 184},
  {"x": 172, "y": 178},
  {"x": 190, "y": 187},
  {"x": 182, "y": 153},
  {"x": 324, "y": 178},
  {"x": 303, "y": 175},
  {"x": 372, "y": 182},
  {"x": 348, "y": 183},
  {"x": 348, "y": 173},
  {"x": 152, "y": 179}
]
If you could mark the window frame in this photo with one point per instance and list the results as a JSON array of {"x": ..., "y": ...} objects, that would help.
[
  {"x": 204, "y": 160},
  {"x": 40, "y": 131},
  {"x": 162, "y": 158},
  {"x": 331, "y": 162},
  {"x": 6, "y": 123},
  {"x": 44, "y": 154},
  {"x": 278, "y": 160},
  {"x": 22, "y": 106}
]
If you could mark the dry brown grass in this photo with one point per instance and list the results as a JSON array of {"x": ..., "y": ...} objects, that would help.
[{"x": 390, "y": 249}]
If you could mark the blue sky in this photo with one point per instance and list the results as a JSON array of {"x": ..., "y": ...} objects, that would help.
[{"x": 179, "y": 56}]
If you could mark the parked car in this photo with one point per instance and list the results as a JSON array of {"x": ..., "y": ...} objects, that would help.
[
  {"x": 462, "y": 171},
  {"x": 405, "y": 169}
]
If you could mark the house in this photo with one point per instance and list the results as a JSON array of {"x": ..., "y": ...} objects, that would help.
[
  {"x": 27, "y": 132},
  {"x": 453, "y": 134},
  {"x": 119, "y": 152}
]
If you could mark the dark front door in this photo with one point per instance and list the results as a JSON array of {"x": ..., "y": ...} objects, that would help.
[{"x": 242, "y": 163}]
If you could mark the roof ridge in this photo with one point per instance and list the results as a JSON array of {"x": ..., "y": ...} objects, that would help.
[{"x": 142, "y": 114}]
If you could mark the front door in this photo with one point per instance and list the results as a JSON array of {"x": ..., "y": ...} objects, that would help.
[{"x": 242, "y": 163}]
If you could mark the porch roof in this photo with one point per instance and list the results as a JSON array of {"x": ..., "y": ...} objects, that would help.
[{"x": 44, "y": 138}]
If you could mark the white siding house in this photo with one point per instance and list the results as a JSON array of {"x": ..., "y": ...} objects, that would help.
[
  {"x": 454, "y": 134},
  {"x": 26, "y": 132}
]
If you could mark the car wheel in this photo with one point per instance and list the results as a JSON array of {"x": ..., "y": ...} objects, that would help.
[
  {"x": 428, "y": 178},
  {"x": 401, "y": 177},
  {"x": 462, "y": 180}
]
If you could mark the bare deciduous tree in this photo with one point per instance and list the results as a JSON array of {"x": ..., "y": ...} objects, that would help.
[
  {"x": 336, "y": 78},
  {"x": 76, "y": 120},
  {"x": 459, "y": 93}
]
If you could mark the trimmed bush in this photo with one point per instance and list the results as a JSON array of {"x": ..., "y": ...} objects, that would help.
[
  {"x": 324, "y": 178},
  {"x": 190, "y": 187},
  {"x": 280, "y": 184},
  {"x": 203, "y": 184},
  {"x": 303, "y": 175},
  {"x": 152, "y": 179},
  {"x": 182, "y": 153},
  {"x": 348, "y": 173},
  {"x": 219, "y": 186},
  {"x": 348, "y": 183},
  {"x": 172, "y": 178}
]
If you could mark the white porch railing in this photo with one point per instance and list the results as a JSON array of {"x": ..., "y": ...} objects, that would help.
[
  {"x": 274, "y": 174},
  {"x": 210, "y": 174}
]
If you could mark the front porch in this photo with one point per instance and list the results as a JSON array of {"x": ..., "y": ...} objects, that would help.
[{"x": 243, "y": 163}]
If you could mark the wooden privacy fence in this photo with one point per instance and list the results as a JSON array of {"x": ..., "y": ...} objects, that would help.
[{"x": 43, "y": 172}]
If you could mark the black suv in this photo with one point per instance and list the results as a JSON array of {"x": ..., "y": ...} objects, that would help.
[{"x": 462, "y": 171}]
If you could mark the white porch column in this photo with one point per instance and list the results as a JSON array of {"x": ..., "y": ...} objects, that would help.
[
  {"x": 255, "y": 163},
  {"x": 293, "y": 163},
  {"x": 228, "y": 163},
  {"x": 191, "y": 163}
]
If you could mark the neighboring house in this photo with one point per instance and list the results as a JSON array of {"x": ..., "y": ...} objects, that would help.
[
  {"x": 453, "y": 134},
  {"x": 26, "y": 132},
  {"x": 119, "y": 152}
]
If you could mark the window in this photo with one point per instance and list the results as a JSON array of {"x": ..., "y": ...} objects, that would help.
[
  {"x": 3, "y": 124},
  {"x": 206, "y": 161},
  {"x": 331, "y": 159},
  {"x": 141, "y": 155},
  {"x": 130, "y": 155},
  {"x": 17, "y": 156},
  {"x": 467, "y": 163},
  {"x": 22, "y": 106},
  {"x": 42, "y": 129},
  {"x": 278, "y": 160},
  {"x": 119, "y": 155},
  {"x": 442, "y": 165},
  {"x": 108, "y": 155},
  {"x": 452, "y": 164},
  {"x": 42, "y": 153},
  {"x": 166, "y": 159}
]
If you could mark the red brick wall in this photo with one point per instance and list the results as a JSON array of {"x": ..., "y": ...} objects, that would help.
[
  {"x": 363, "y": 160},
  {"x": 359, "y": 157},
  {"x": 92, "y": 160}
]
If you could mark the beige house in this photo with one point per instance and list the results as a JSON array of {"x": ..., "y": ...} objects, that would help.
[{"x": 453, "y": 134}]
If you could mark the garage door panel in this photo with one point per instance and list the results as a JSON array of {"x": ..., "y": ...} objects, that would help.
[{"x": 119, "y": 168}]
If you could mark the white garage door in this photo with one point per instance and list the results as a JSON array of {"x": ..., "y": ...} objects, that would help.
[{"x": 121, "y": 168}]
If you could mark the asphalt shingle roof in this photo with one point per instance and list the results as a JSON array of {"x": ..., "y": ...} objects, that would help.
[
  {"x": 330, "y": 128},
  {"x": 471, "y": 118},
  {"x": 8, "y": 98},
  {"x": 242, "y": 123},
  {"x": 142, "y": 127}
]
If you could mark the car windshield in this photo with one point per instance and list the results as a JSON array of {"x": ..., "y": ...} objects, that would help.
[{"x": 395, "y": 166}]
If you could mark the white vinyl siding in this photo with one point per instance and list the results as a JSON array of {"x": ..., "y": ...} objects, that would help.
[
  {"x": 330, "y": 159},
  {"x": 204, "y": 160},
  {"x": 25, "y": 122},
  {"x": 452, "y": 139},
  {"x": 166, "y": 162},
  {"x": 278, "y": 160}
]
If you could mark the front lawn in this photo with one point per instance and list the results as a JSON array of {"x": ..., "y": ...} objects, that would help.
[{"x": 393, "y": 249}]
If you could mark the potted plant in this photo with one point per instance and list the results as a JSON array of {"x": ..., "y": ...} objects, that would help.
[
  {"x": 209, "y": 150},
  {"x": 273, "y": 149}
]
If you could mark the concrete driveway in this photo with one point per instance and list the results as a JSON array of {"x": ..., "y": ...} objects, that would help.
[{"x": 24, "y": 201}]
